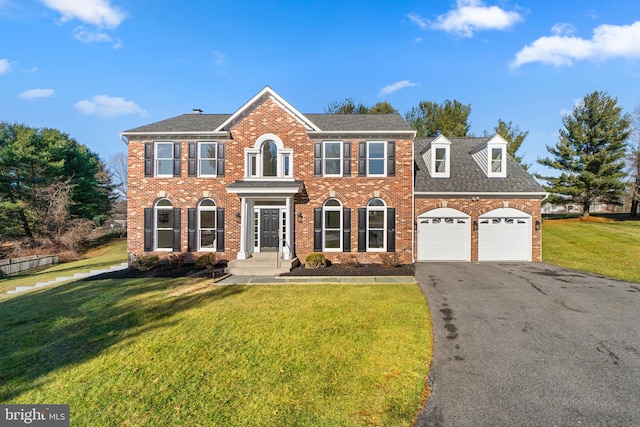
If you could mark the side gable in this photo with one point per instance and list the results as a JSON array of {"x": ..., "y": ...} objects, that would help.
[{"x": 250, "y": 105}]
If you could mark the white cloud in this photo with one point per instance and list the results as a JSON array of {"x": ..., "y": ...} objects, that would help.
[
  {"x": 5, "y": 67},
  {"x": 109, "y": 106},
  {"x": 96, "y": 12},
  {"x": 473, "y": 15},
  {"x": 387, "y": 90},
  {"x": 608, "y": 41},
  {"x": 36, "y": 93},
  {"x": 419, "y": 21},
  {"x": 90, "y": 36},
  {"x": 563, "y": 28}
]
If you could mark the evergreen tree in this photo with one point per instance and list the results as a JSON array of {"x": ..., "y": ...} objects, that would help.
[
  {"x": 514, "y": 138},
  {"x": 451, "y": 119},
  {"x": 590, "y": 153}
]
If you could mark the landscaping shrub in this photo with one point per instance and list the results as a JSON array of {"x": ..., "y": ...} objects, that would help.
[
  {"x": 351, "y": 261},
  {"x": 175, "y": 260},
  {"x": 315, "y": 260},
  {"x": 146, "y": 262},
  {"x": 390, "y": 260},
  {"x": 206, "y": 260}
]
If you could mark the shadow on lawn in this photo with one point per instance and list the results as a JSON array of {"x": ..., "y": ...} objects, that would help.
[{"x": 69, "y": 324}]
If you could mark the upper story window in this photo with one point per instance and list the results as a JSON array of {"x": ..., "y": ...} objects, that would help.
[
  {"x": 162, "y": 159},
  {"x": 332, "y": 158},
  {"x": 440, "y": 160},
  {"x": 376, "y": 158},
  {"x": 438, "y": 157},
  {"x": 206, "y": 159},
  {"x": 496, "y": 160},
  {"x": 268, "y": 159},
  {"x": 497, "y": 157}
]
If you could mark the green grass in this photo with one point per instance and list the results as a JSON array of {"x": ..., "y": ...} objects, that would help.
[
  {"x": 112, "y": 253},
  {"x": 601, "y": 246},
  {"x": 151, "y": 352}
]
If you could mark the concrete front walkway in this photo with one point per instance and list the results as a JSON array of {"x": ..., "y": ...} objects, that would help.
[{"x": 290, "y": 280}]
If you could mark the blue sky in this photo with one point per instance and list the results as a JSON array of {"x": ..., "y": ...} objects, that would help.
[{"x": 93, "y": 68}]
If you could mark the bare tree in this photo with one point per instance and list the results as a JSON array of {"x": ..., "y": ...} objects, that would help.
[
  {"x": 634, "y": 161},
  {"x": 119, "y": 174}
]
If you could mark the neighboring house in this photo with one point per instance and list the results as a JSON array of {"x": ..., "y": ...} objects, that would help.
[{"x": 269, "y": 179}]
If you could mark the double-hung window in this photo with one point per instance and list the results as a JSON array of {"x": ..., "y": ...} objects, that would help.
[
  {"x": 207, "y": 225},
  {"x": 332, "y": 225},
  {"x": 496, "y": 160},
  {"x": 376, "y": 225},
  {"x": 164, "y": 159},
  {"x": 332, "y": 158},
  {"x": 207, "y": 159},
  {"x": 441, "y": 160},
  {"x": 376, "y": 158},
  {"x": 164, "y": 225}
]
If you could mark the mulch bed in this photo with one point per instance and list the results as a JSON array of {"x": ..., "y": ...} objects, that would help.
[{"x": 362, "y": 270}]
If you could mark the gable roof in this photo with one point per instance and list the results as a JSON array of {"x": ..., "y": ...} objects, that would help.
[
  {"x": 466, "y": 177},
  {"x": 185, "y": 123}
]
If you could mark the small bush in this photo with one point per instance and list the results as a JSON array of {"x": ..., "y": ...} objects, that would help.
[
  {"x": 351, "y": 261},
  {"x": 175, "y": 260},
  {"x": 390, "y": 260},
  {"x": 206, "y": 260},
  {"x": 146, "y": 262},
  {"x": 315, "y": 260}
]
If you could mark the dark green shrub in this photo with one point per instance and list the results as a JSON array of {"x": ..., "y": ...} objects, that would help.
[{"x": 315, "y": 260}]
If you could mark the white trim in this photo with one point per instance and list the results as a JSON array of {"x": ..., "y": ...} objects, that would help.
[
  {"x": 340, "y": 210},
  {"x": 199, "y": 159},
  {"x": 200, "y": 209},
  {"x": 155, "y": 224},
  {"x": 340, "y": 159},
  {"x": 384, "y": 158},
  {"x": 382, "y": 208},
  {"x": 479, "y": 193},
  {"x": 186, "y": 132},
  {"x": 267, "y": 92},
  {"x": 156, "y": 159},
  {"x": 411, "y": 133}
]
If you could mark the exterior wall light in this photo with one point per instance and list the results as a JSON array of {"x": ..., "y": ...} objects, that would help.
[
  {"x": 300, "y": 217},
  {"x": 538, "y": 225},
  {"x": 475, "y": 225}
]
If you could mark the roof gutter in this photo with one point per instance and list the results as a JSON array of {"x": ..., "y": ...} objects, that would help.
[{"x": 481, "y": 193}]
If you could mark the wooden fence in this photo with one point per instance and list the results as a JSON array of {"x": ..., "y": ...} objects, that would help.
[{"x": 15, "y": 265}]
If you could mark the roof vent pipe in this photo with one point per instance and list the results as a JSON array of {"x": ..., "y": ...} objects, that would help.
[{"x": 197, "y": 111}]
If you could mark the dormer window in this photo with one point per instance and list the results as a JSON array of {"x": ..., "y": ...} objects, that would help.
[
  {"x": 496, "y": 160},
  {"x": 269, "y": 159},
  {"x": 438, "y": 158},
  {"x": 497, "y": 157}
]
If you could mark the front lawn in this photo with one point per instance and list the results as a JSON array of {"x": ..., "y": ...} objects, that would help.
[
  {"x": 158, "y": 351},
  {"x": 600, "y": 245}
]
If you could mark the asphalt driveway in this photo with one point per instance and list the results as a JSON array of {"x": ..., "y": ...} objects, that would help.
[{"x": 531, "y": 345}]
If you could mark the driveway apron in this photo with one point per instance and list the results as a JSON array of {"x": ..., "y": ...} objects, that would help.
[{"x": 531, "y": 344}]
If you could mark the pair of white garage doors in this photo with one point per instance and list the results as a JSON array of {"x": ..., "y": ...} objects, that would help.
[{"x": 504, "y": 234}]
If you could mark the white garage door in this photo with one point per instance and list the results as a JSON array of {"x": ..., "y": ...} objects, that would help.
[
  {"x": 444, "y": 234},
  {"x": 504, "y": 235}
]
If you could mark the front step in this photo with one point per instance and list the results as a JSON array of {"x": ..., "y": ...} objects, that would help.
[{"x": 261, "y": 264}]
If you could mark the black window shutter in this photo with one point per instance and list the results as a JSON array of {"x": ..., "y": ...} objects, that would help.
[
  {"x": 317, "y": 159},
  {"x": 192, "y": 163},
  {"x": 148, "y": 229},
  {"x": 220, "y": 161},
  {"x": 391, "y": 229},
  {"x": 148, "y": 159},
  {"x": 192, "y": 222},
  {"x": 177, "y": 160},
  {"x": 176, "y": 230},
  {"x": 220, "y": 229},
  {"x": 347, "y": 159},
  {"x": 391, "y": 158},
  {"x": 317, "y": 229},
  {"x": 362, "y": 158},
  {"x": 346, "y": 230},
  {"x": 362, "y": 229}
]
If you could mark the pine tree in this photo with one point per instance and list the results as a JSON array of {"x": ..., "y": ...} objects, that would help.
[{"x": 590, "y": 153}]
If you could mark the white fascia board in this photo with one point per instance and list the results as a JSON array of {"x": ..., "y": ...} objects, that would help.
[
  {"x": 411, "y": 133},
  {"x": 252, "y": 192},
  {"x": 267, "y": 91},
  {"x": 479, "y": 194},
  {"x": 218, "y": 134}
]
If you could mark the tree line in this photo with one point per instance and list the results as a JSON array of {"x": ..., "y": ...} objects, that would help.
[{"x": 595, "y": 158}]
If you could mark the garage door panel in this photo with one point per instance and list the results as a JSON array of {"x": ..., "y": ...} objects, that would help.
[
  {"x": 504, "y": 239},
  {"x": 444, "y": 239}
]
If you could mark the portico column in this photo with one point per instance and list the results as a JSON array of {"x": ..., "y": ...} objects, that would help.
[
  {"x": 243, "y": 254},
  {"x": 289, "y": 229}
]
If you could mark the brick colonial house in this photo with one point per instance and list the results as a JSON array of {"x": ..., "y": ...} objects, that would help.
[{"x": 270, "y": 182}]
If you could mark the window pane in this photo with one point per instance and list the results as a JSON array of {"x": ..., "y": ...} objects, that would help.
[
  {"x": 332, "y": 150},
  {"x": 207, "y": 219},
  {"x": 332, "y": 219},
  {"x": 207, "y": 167},
  {"x": 375, "y": 202},
  {"x": 164, "y": 202},
  {"x": 207, "y": 239},
  {"x": 332, "y": 202},
  {"x": 496, "y": 166},
  {"x": 165, "y": 239},
  {"x": 165, "y": 167},
  {"x": 376, "y": 167},
  {"x": 165, "y": 151},
  {"x": 496, "y": 154},
  {"x": 287, "y": 168},
  {"x": 332, "y": 239},
  {"x": 376, "y": 150},
  {"x": 165, "y": 219},
  {"x": 254, "y": 166},
  {"x": 269, "y": 159},
  {"x": 207, "y": 151},
  {"x": 440, "y": 166},
  {"x": 440, "y": 153},
  {"x": 332, "y": 167},
  {"x": 207, "y": 202},
  {"x": 376, "y": 240},
  {"x": 376, "y": 219}
]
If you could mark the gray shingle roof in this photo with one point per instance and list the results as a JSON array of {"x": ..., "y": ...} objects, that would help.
[
  {"x": 326, "y": 122},
  {"x": 466, "y": 175},
  {"x": 184, "y": 123}
]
